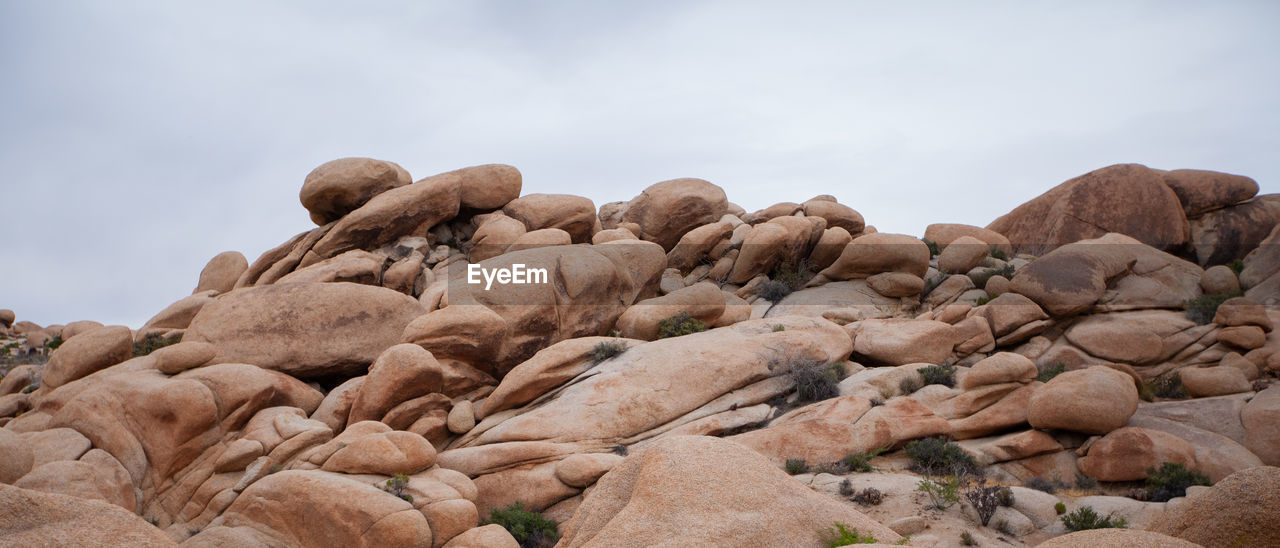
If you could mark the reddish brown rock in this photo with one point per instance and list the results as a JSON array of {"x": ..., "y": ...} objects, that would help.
[
  {"x": 89, "y": 352},
  {"x": 221, "y": 272},
  {"x": 1126, "y": 454},
  {"x": 32, "y": 518},
  {"x": 338, "y": 187},
  {"x": 872, "y": 254},
  {"x": 667, "y": 210},
  {"x": 1096, "y": 400},
  {"x": 1213, "y": 381},
  {"x": 1241, "y": 509},
  {"x": 1201, "y": 191},
  {"x": 573, "y": 214}
]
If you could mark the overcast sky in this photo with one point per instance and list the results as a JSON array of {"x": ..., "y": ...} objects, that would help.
[{"x": 139, "y": 139}]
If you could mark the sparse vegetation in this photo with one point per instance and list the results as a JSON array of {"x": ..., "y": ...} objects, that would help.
[
  {"x": 1005, "y": 496},
  {"x": 985, "y": 499},
  {"x": 1041, "y": 484},
  {"x": 1169, "y": 386},
  {"x": 998, "y": 253},
  {"x": 53, "y": 343},
  {"x": 530, "y": 529},
  {"x": 868, "y": 497},
  {"x": 938, "y": 456},
  {"x": 1049, "y": 372},
  {"x": 679, "y": 325},
  {"x": 841, "y": 535},
  {"x": 943, "y": 492},
  {"x": 1236, "y": 266},
  {"x": 1085, "y": 482},
  {"x": 1060, "y": 508},
  {"x": 939, "y": 374},
  {"x": 966, "y": 539},
  {"x": 1171, "y": 480},
  {"x": 797, "y": 466},
  {"x": 619, "y": 450},
  {"x": 816, "y": 381},
  {"x": 31, "y": 388},
  {"x": 779, "y": 327},
  {"x": 933, "y": 247},
  {"x": 931, "y": 283},
  {"x": 846, "y": 488},
  {"x": 793, "y": 275},
  {"x": 1086, "y": 518},
  {"x": 1005, "y": 528},
  {"x": 396, "y": 486},
  {"x": 152, "y": 342},
  {"x": 861, "y": 462},
  {"x": 910, "y": 383},
  {"x": 983, "y": 300},
  {"x": 773, "y": 290},
  {"x": 1202, "y": 309},
  {"x": 607, "y": 349}
]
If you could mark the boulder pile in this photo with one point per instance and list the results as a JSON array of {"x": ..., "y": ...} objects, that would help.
[{"x": 435, "y": 357}]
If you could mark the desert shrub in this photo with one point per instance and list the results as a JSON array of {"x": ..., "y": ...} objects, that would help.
[
  {"x": 1236, "y": 266},
  {"x": 939, "y": 456},
  {"x": 797, "y": 466},
  {"x": 396, "y": 486},
  {"x": 619, "y": 450},
  {"x": 607, "y": 349},
  {"x": 779, "y": 327},
  {"x": 943, "y": 492},
  {"x": 939, "y": 374},
  {"x": 1086, "y": 518},
  {"x": 841, "y": 535},
  {"x": 1006, "y": 271},
  {"x": 934, "y": 251},
  {"x": 1005, "y": 496},
  {"x": 861, "y": 462},
  {"x": 1085, "y": 482},
  {"x": 53, "y": 343},
  {"x": 773, "y": 290},
  {"x": 1006, "y": 528},
  {"x": 983, "y": 300},
  {"x": 816, "y": 381},
  {"x": 1169, "y": 386},
  {"x": 869, "y": 496},
  {"x": 998, "y": 253},
  {"x": 1060, "y": 508},
  {"x": 985, "y": 499},
  {"x": 1202, "y": 309},
  {"x": 1171, "y": 480},
  {"x": 966, "y": 539},
  {"x": 910, "y": 384},
  {"x": 1048, "y": 373},
  {"x": 846, "y": 488},
  {"x": 152, "y": 342},
  {"x": 793, "y": 275},
  {"x": 1041, "y": 484},
  {"x": 680, "y": 324},
  {"x": 530, "y": 529}
]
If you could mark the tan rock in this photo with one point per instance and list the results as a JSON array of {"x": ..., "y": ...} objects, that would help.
[
  {"x": 459, "y": 332},
  {"x": 1095, "y": 400},
  {"x": 6, "y": 318},
  {"x": 610, "y": 235},
  {"x": 829, "y": 247},
  {"x": 221, "y": 272},
  {"x": 635, "y": 502},
  {"x": 1241, "y": 311},
  {"x": 1007, "y": 447},
  {"x": 489, "y": 186},
  {"x": 305, "y": 329},
  {"x": 945, "y": 233},
  {"x": 875, "y": 253},
  {"x": 16, "y": 457},
  {"x": 573, "y": 214},
  {"x": 1215, "y": 454},
  {"x": 486, "y": 536},
  {"x": 1219, "y": 279},
  {"x": 180, "y": 357},
  {"x": 400, "y": 373},
  {"x": 1009, "y": 312},
  {"x": 1125, "y": 198},
  {"x": 494, "y": 236},
  {"x": 547, "y": 369},
  {"x": 97, "y": 475},
  {"x": 901, "y": 341},
  {"x": 1213, "y": 381},
  {"x": 336, "y": 405},
  {"x": 703, "y": 301},
  {"x": 1117, "y": 538},
  {"x": 1127, "y": 337},
  {"x": 338, "y": 187},
  {"x": 18, "y": 378},
  {"x": 87, "y": 353},
  {"x": 1261, "y": 420},
  {"x": 543, "y": 237},
  {"x": 836, "y": 214},
  {"x": 385, "y": 453},
  {"x": 896, "y": 284},
  {"x": 355, "y": 266},
  {"x": 461, "y": 418},
  {"x": 780, "y": 241},
  {"x": 667, "y": 210},
  {"x": 999, "y": 368},
  {"x": 1229, "y": 234},
  {"x": 1247, "y": 337},
  {"x": 696, "y": 244},
  {"x": 583, "y": 469},
  {"x": 32, "y": 518},
  {"x": 1242, "y": 507},
  {"x": 1126, "y": 453},
  {"x": 962, "y": 255}
]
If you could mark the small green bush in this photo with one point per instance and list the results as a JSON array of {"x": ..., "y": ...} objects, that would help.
[
  {"x": 1236, "y": 266},
  {"x": 869, "y": 496},
  {"x": 530, "y": 529},
  {"x": 933, "y": 247},
  {"x": 998, "y": 253},
  {"x": 1202, "y": 309},
  {"x": 1086, "y": 518},
  {"x": 1048, "y": 373},
  {"x": 779, "y": 327},
  {"x": 1171, "y": 480},
  {"x": 152, "y": 342},
  {"x": 983, "y": 300},
  {"x": 396, "y": 486},
  {"x": 816, "y": 381},
  {"x": 861, "y": 462},
  {"x": 943, "y": 493},
  {"x": 966, "y": 539},
  {"x": 910, "y": 383},
  {"x": 939, "y": 456},
  {"x": 1169, "y": 386},
  {"x": 607, "y": 349},
  {"x": 679, "y": 325},
  {"x": 1041, "y": 484},
  {"x": 773, "y": 290},
  {"x": 797, "y": 466},
  {"x": 939, "y": 374},
  {"x": 53, "y": 343},
  {"x": 1085, "y": 482},
  {"x": 842, "y": 535},
  {"x": 1060, "y": 508}
]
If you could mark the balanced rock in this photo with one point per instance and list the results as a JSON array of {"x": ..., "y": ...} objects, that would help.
[
  {"x": 903, "y": 341},
  {"x": 872, "y": 254},
  {"x": 1201, "y": 191},
  {"x": 89, "y": 352},
  {"x": 573, "y": 214},
  {"x": 1096, "y": 400},
  {"x": 340, "y": 186},
  {"x": 221, "y": 272},
  {"x": 1126, "y": 454}
]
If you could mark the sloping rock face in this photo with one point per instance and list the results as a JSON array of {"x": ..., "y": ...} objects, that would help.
[
  {"x": 32, "y": 518},
  {"x": 677, "y": 488},
  {"x": 1128, "y": 199},
  {"x": 1240, "y": 510}
]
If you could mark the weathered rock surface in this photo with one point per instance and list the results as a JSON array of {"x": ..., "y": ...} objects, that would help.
[
  {"x": 1241, "y": 509},
  {"x": 666, "y": 211},
  {"x": 32, "y": 518},
  {"x": 221, "y": 272},
  {"x": 1096, "y": 400},
  {"x": 338, "y": 187}
]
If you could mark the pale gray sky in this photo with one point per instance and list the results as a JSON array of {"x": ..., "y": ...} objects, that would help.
[{"x": 139, "y": 139}]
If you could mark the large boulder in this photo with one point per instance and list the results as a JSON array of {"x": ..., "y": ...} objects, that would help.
[
  {"x": 702, "y": 301},
  {"x": 1136, "y": 338},
  {"x": 355, "y": 266},
  {"x": 308, "y": 329},
  {"x": 1202, "y": 191},
  {"x": 1125, "y": 198},
  {"x": 489, "y": 187},
  {"x": 1126, "y": 454},
  {"x": 573, "y": 214},
  {"x": 1096, "y": 400},
  {"x": 1261, "y": 419},
  {"x": 871, "y": 254},
  {"x": 221, "y": 272},
  {"x": 86, "y": 353},
  {"x": 836, "y": 214},
  {"x": 177, "y": 315},
  {"x": 677, "y": 489},
  {"x": 402, "y": 372},
  {"x": 338, "y": 187},
  {"x": 1229, "y": 234},
  {"x": 1116, "y": 538},
  {"x": 945, "y": 233},
  {"x": 1241, "y": 510},
  {"x": 33, "y": 518},
  {"x": 667, "y": 210},
  {"x": 903, "y": 341},
  {"x": 962, "y": 255}
]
